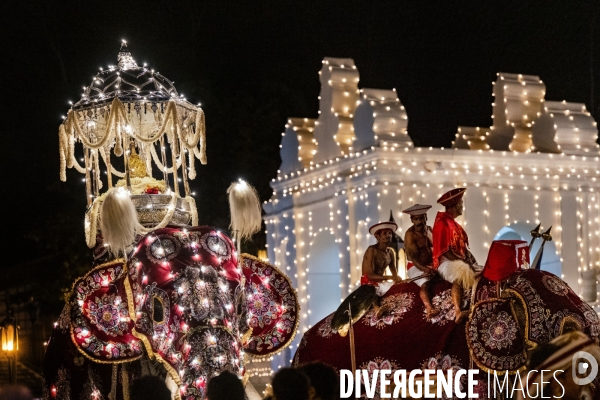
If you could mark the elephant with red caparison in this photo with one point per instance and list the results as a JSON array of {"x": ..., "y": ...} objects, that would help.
[
  {"x": 510, "y": 314},
  {"x": 183, "y": 298}
]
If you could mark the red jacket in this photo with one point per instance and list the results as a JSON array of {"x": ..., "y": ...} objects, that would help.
[{"x": 448, "y": 235}]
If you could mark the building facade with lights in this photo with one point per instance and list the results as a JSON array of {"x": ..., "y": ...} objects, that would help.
[{"x": 345, "y": 171}]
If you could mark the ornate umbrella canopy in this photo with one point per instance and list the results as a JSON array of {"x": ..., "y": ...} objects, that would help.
[{"x": 128, "y": 119}]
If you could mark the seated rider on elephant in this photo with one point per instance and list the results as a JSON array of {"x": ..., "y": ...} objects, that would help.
[
  {"x": 451, "y": 256},
  {"x": 374, "y": 282},
  {"x": 418, "y": 245}
]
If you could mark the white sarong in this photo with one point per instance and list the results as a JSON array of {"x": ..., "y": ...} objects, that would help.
[{"x": 413, "y": 272}]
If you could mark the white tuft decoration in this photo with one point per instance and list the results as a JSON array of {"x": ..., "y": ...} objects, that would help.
[
  {"x": 458, "y": 271},
  {"x": 119, "y": 221},
  {"x": 245, "y": 210}
]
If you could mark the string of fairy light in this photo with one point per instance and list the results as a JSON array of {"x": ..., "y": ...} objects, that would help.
[
  {"x": 381, "y": 170},
  {"x": 127, "y": 107},
  {"x": 514, "y": 175},
  {"x": 366, "y": 178},
  {"x": 521, "y": 111},
  {"x": 558, "y": 168},
  {"x": 112, "y": 115}
]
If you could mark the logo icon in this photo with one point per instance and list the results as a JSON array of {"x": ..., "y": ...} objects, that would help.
[{"x": 584, "y": 364}]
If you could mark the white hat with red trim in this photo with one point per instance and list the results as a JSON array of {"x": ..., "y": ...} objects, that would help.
[
  {"x": 417, "y": 209},
  {"x": 383, "y": 225}
]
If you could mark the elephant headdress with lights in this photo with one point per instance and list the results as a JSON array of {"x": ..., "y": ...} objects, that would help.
[{"x": 164, "y": 294}]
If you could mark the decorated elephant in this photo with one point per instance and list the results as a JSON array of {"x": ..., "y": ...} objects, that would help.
[
  {"x": 179, "y": 295},
  {"x": 183, "y": 298},
  {"x": 511, "y": 313},
  {"x": 162, "y": 287}
]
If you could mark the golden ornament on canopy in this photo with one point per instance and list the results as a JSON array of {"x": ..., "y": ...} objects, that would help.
[{"x": 128, "y": 107}]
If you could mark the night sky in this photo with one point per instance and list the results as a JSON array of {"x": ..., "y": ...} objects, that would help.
[{"x": 253, "y": 64}]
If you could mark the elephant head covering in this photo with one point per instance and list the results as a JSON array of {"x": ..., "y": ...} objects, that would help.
[
  {"x": 185, "y": 298},
  {"x": 504, "y": 258}
]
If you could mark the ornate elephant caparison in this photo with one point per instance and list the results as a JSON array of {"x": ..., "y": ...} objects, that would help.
[
  {"x": 165, "y": 296},
  {"x": 184, "y": 298},
  {"x": 511, "y": 312}
]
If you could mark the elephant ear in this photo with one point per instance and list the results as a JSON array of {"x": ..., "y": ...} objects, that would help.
[
  {"x": 549, "y": 307},
  {"x": 494, "y": 338},
  {"x": 273, "y": 310},
  {"x": 101, "y": 327}
]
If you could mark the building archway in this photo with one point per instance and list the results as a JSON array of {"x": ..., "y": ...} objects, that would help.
[
  {"x": 324, "y": 276},
  {"x": 521, "y": 231}
]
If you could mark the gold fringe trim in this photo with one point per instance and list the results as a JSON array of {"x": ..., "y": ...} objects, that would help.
[
  {"x": 130, "y": 304},
  {"x": 178, "y": 130},
  {"x": 113, "y": 383},
  {"x": 200, "y": 124},
  {"x": 125, "y": 381}
]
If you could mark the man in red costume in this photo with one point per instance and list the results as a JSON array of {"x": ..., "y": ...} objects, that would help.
[{"x": 451, "y": 256}]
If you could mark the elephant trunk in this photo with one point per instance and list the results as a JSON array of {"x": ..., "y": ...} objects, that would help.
[{"x": 208, "y": 350}]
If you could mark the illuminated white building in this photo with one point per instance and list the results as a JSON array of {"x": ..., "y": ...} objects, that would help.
[{"x": 346, "y": 170}]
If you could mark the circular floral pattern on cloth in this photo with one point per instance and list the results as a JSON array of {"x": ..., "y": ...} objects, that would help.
[
  {"x": 371, "y": 366},
  {"x": 555, "y": 285},
  {"x": 272, "y": 307},
  {"x": 163, "y": 248},
  {"x": 264, "y": 309},
  {"x": 445, "y": 362},
  {"x": 499, "y": 330},
  {"x": 442, "y": 302},
  {"x": 397, "y": 304},
  {"x": 492, "y": 339},
  {"x": 214, "y": 243},
  {"x": 109, "y": 313},
  {"x": 324, "y": 329},
  {"x": 100, "y": 322}
]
